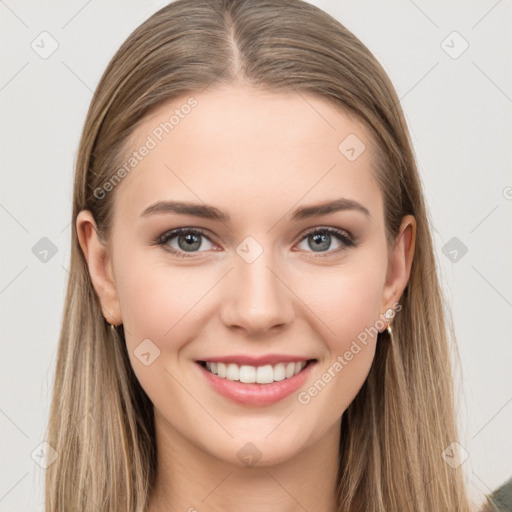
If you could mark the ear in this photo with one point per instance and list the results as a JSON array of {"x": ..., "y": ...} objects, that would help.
[
  {"x": 399, "y": 265},
  {"x": 99, "y": 263}
]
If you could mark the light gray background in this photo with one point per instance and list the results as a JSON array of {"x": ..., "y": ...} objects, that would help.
[{"x": 459, "y": 114}]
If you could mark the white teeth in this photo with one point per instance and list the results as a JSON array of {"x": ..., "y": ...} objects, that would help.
[
  {"x": 259, "y": 374},
  {"x": 247, "y": 374},
  {"x": 221, "y": 370},
  {"x": 279, "y": 371},
  {"x": 265, "y": 374},
  {"x": 232, "y": 372}
]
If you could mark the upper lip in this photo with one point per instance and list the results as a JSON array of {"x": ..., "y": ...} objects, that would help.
[{"x": 256, "y": 361}]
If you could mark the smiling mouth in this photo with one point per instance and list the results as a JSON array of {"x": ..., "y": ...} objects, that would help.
[{"x": 265, "y": 374}]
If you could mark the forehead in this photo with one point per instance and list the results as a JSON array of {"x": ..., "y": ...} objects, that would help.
[{"x": 238, "y": 147}]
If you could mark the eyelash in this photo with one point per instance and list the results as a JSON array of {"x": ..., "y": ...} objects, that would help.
[{"x": 345, "y": 240}]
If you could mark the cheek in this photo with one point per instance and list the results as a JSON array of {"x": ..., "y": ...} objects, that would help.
[
  {"x": 346, "y": 299},
  {"x": 158, "y": 301}
]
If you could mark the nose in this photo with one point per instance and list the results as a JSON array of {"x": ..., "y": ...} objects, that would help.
[{"x": 257, "y": 299}]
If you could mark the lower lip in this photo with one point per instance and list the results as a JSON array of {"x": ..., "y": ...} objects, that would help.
[{"x": 257, "y": 394}]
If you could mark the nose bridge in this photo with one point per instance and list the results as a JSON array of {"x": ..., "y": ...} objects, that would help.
[{"x": 257, "y": 299}]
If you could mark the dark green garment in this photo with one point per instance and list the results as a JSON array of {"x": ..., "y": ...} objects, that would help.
[{"x": 501, "y": 499}]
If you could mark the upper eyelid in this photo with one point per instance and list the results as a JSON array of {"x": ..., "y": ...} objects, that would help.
[
  {"x": 345, "y": 232},
  {"x": 177, "y": 231}
]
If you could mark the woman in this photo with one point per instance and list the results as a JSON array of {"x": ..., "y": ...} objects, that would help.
[{"x": 254, "y": 319}]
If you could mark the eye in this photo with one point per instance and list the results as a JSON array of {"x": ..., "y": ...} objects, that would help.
[
  {"x": 321, "y": 239},
  {"x": 183, "y": 241}
]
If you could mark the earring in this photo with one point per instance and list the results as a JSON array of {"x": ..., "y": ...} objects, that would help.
[
  {"x": 114, "y": 332},
  {"x": 388, "y": 316},
  {"x": 113, "y": 329}
]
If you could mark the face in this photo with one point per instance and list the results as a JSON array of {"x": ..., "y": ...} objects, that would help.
[{"x": 247, "y": 274}]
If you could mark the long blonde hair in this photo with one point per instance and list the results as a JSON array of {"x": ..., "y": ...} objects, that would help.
[{"x": 101, "y": 421}]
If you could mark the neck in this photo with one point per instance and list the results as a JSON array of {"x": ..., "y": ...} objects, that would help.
[{"x": 188, "y": 479}]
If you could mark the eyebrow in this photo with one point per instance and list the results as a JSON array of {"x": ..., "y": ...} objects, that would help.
[{"x": 211, "y": 212}]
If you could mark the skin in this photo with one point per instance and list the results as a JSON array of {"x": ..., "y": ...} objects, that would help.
[{"x": 258, "y": 156}]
